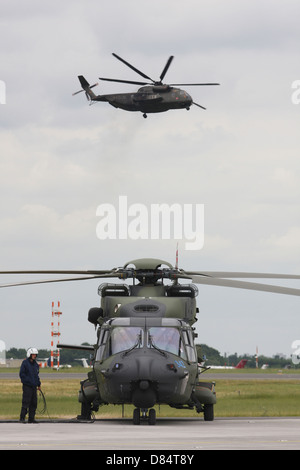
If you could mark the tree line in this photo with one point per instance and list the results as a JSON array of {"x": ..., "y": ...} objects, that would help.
[
  {"x": 212, "y": 356},
  {"x": 67, "y": 356}
]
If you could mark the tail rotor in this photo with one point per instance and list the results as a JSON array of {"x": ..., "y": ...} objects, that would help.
[{"x": 86, "y": 87}]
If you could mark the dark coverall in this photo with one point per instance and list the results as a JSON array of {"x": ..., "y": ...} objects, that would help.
[{"x": 29, "y": 375}]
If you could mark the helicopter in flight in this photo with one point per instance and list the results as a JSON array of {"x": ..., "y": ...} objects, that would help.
[
  {"x": 153, "y": 97},
  {"x": 145, "y": 352}
]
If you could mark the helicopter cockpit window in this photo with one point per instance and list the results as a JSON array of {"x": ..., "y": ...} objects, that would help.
[
  {"x": 104, "y": 334},
  {"x": 118, "y": 339},
  {"x": 124, "y": 338},
  {"x": 167, "y": 339},
  {"x": 189, "y": 344}
]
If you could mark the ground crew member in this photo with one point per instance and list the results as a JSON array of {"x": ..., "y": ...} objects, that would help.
[{"x": 29, "y": 375}]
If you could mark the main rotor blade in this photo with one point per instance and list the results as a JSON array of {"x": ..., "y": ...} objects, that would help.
[
  {"x": 193, "y": 84},
  {"x": 62, "y": 271},
  {"x": 123, "y": 81},
  {"x": 245, "y": 285},
  {"x": 132, "y": 67},
  {"x": 166, "y": 67},
  {"x": 49, "y": 281},
  {"x": 242, "y": 274}
]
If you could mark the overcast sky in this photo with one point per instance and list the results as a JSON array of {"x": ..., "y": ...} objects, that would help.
[{"x": 60, "y": 158}]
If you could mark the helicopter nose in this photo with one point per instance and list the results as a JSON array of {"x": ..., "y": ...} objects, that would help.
[
  {"x": 143, "y": 390},
  {"x": 188, "y": 99},
  {"x": 144, "y": 395},
  {"x": 144, "y": 384}
]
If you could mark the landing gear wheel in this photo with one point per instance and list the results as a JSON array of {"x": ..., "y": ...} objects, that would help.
[
  {"x": 145, "y": 115},
  {"x": 152, "y": 417},
  {"x": 208, "y": 412},
  {"x": 86, "y": 412},
  {"x": 136, "y": 416}
]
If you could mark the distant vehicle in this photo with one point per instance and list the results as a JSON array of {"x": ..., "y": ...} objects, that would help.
[
  {"x": 240, "y": 365},
  {"x": 47, "y": 363},
  {"x": 84, "y": 362}
]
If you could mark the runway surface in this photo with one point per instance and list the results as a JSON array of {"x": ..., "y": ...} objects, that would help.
[{"x": 176, "y": 436}]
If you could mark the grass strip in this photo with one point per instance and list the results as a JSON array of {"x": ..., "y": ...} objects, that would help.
[{"x": 242, "y": 398}]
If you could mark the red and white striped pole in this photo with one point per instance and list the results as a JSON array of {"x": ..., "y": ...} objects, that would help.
[
  {"x": 58, "y": 313},
  {"x": 52, "y": 333},
  {"x": 55, "y": 333}
]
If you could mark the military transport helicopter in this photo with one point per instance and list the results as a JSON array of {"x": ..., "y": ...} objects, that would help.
[
  {"x": 153, "y": 97},
  {"x": 145, "y": 352}
]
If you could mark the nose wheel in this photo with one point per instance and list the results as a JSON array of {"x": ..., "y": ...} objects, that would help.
[{"x": 139, "y": 414}]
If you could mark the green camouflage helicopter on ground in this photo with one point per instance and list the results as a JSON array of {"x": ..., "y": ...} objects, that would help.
[{"x": 145, "y": 353}]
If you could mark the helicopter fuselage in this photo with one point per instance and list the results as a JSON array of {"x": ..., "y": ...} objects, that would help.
[
  {"x": 153, "y": 97},
  {"x": 145, "y": 352},
  {"x": 149, "y": 99},
  {"x": 144, "y": 362}
]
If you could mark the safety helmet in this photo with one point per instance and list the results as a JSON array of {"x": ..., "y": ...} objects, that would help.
[{"x": 32, "y": 351}]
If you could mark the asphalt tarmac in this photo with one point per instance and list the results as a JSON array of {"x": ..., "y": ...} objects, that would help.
[{"x": 176, "y": 436}]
